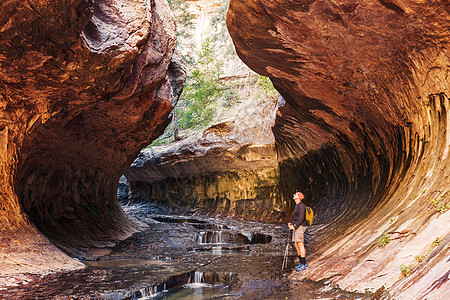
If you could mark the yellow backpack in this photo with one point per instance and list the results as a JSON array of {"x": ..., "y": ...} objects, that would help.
[{"x": 309, "y": 216}]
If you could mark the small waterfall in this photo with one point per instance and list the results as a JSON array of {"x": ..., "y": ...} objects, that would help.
[
  {"x": 224, "y": 237},
  {"x": 144, "y": 293},
  {"x": 219, "y": 237},
  {"x": 198, "y": 277},
  {"x": 210, "y": 237},
  {"x": 201, "y": 237},
  {"x": 149, "y": 291},
  {"x": 195, "y": 277}
]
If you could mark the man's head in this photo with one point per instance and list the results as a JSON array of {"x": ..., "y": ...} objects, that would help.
[{"x": 298, "y": 197}]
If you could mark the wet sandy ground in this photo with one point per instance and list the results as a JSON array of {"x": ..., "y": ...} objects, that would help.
[{"x": 247, "y": 264}]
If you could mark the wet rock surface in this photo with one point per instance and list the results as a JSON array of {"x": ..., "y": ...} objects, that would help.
[{"x": 163, "y": 257}]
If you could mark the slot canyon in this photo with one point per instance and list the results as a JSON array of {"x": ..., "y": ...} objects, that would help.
[{"x": 361, "y": 126}]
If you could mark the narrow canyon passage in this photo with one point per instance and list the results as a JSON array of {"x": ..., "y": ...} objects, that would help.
[{"x": 362, "y": 127}]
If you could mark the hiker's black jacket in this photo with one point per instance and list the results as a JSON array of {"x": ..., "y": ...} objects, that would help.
[{"x": 299, "y": 215}]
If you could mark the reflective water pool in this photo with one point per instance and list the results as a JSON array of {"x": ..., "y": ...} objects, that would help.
[{"x": 172, "y": 259}]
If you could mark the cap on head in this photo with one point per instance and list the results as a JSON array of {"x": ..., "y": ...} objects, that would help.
[{"x": 299, "y": 195}]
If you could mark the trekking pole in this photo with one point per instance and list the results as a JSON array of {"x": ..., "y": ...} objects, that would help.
[{"x": 286, "y": 252}]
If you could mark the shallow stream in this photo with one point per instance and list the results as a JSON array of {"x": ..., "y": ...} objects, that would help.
[{"x": 184, "y": 257}]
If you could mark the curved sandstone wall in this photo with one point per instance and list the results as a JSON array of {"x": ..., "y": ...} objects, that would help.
[
  {"x": 363, "y": 129},
  {"x": 83, "y": 86}
]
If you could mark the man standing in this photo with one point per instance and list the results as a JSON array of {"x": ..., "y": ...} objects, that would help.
[{"x": 299, "y": 228}]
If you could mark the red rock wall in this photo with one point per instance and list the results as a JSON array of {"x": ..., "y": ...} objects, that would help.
[
  {"x": 363, "y": 128},
  {"x": 83, "y": 87}
]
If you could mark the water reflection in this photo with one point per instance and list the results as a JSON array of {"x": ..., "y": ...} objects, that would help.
[
  {"x": 197, "y": 285},
  {"x": 195, "y": 291},
  {"x": 160, "y": 262},
  {"x": 125, "y": 262}
]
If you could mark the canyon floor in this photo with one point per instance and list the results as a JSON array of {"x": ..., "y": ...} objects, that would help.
[{"x": 190, "y": 257}]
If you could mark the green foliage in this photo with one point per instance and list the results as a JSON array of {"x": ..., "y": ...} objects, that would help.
[
  {"x": 230, "y": 97},
  {"x": 434, "y": 203},
  {"x": 173, "y": 4},
  {"x": 219, "y": 18},
  {"x": 182, "y": 16},
  {"x": 444, "y": 207},
  {"x": 419, "y": 258},
  {"x": 384, "y": 240},
  {"x": 197, "y": 106},
  {"x": 437, "y": 242},
  {"x": 179, "y": 7},
  {"x": 441, "y": 207},
  {"x": 208, "y": 95},
  {"x": 267, "y": 86},
  {"x": 405, "y": 270}
]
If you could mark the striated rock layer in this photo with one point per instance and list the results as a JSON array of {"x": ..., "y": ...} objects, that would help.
[
  {"x": 83, "y": 86},
  {"x": 364, "y": 131},
  {"x": 228, "y": 169}
]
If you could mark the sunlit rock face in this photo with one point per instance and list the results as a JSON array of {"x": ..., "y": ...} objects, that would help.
[
  {"x": 83, "y": 86},
  {"x": 229, "y": 169},
  {"x": 364, "y": 130}
]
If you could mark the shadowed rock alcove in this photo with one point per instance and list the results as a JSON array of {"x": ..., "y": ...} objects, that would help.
[{"x": 84, "y": 86}]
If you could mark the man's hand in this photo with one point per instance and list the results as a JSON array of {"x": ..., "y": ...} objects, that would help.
[{"x": 291, "y": 227}]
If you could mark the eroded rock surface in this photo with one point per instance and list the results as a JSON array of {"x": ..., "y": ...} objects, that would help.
[
  {"x": 364, "y": 130},
  {"x": 83, "y": 86},
  {"x": 228, "y": 169}
]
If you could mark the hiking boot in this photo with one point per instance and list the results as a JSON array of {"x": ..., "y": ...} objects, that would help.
[{"x": 301, "y": 267}]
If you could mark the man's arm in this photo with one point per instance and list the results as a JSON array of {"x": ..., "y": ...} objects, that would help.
[
  {"x": 301, "y": 215},
  {"x": 298, "y": 214}
]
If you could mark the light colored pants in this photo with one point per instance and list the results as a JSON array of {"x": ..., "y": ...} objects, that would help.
[{"x": 299, "y": 234}]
